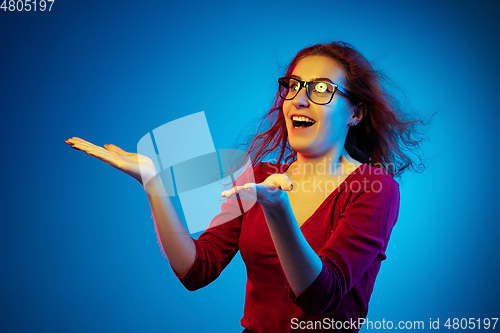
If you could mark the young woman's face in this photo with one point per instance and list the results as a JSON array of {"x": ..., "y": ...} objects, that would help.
[{"x": 331, "y": 121}]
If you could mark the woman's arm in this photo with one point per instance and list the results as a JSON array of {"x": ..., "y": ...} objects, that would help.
[
  {"x": 300, "y": 263},
  {"x": 360, "y": 237},
  {"x": 176, "y": 241}
]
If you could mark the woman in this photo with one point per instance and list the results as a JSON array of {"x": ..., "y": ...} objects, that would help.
[{"x": 314, "y": 244}]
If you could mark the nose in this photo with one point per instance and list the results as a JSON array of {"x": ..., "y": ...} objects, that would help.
[{"x": 301, "y": 100}]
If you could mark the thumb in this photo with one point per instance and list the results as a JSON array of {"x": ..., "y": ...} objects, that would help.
[
  {"x": 281, "y": 181},
  {"x": 286, "y": 183},
  {"x": 115, "y": 149}
]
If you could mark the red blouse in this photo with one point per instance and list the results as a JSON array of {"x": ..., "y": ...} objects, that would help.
[{"x": 349, "y": 231}]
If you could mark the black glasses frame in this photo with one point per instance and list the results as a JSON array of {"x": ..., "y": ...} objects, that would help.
[{"x": 304, "y": 84}]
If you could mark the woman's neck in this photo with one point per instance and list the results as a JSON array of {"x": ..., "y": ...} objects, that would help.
[{"x": 334, "y": 163}]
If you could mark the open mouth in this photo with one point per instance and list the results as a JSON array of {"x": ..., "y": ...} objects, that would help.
[{"x": 302, "y": 122}]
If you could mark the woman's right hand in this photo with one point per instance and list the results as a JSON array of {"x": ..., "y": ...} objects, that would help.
[
  {"x": 137, "y": 166},
  {"x": 174, "y": 238}
]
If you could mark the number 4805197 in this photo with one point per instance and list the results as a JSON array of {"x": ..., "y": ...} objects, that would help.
[
  {"x": 471, "y": 323},
  {"x": 26, "y": 5}
]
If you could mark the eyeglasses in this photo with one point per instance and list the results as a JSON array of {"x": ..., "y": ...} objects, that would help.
[{"x": 318, "y": 92}]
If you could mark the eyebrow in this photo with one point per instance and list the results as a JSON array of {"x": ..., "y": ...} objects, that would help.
[{"x": 315, "y": 79}]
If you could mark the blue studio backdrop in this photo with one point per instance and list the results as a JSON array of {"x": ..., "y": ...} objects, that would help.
[{"x": 78, "y": 245}]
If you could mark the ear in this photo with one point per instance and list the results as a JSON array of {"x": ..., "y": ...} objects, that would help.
[{"x": 359, "y": 112}]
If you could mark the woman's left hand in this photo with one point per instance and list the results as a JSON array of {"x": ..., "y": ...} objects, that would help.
[{"x": 267, "y": 193}]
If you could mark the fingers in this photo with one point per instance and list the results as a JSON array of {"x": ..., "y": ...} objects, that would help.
[
  {"x": 273, "y": 183},
  {"x": 286, "y": 184},
  {"x": 91, "y": 149},
  {"x": 231, "y": 193},
  {"x": 80, "y": 144},
  {"x": 246, "y": 192},
  {"x": 94, "y": 150},
  {"x": 86, "y": 146}
]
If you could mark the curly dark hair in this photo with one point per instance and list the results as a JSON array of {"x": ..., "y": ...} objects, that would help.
[{"x": 386, "y": 137}]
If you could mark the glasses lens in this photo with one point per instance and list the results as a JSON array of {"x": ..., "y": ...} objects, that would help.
[
  {"x": 320, "y": 92},
  {"x": 288, "y": 88}
]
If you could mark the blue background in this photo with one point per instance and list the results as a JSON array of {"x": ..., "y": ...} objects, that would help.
[{"x": 78, "y": 246}]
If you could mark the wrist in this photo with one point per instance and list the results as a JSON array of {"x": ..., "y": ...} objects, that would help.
[
  {"x": 277, "y": 204},
  {"x": 153, "y": 185}
]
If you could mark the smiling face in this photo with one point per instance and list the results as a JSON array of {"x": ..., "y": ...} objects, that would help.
[{"x": 330, "y": 121}]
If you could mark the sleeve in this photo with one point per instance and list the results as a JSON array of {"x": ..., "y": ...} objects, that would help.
[
  {"x": 216, "y": 247},
  {"x": 360, "y": 236}
]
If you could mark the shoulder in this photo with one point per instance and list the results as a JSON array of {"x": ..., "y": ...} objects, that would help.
[
  {"x": 369, "y": 172},
  {"x": 371, "y": 179}
]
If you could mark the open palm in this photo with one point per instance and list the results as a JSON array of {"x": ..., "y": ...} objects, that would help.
[
  {"x": 130, "y": 163},
  {"x": 267, "y": 192}
]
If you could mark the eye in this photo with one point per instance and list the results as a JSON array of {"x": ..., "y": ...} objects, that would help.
[
  {"x": 321, "y": 87},
  {"x": 294, "y": 85}
]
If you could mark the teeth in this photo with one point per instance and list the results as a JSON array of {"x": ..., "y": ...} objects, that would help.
[{"x": 301, "y": 118}]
